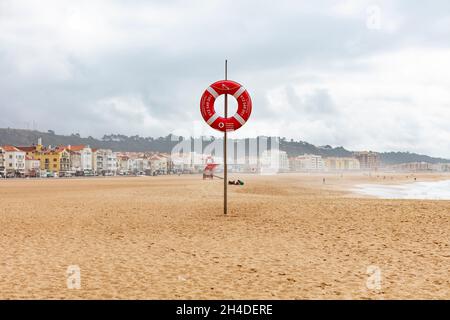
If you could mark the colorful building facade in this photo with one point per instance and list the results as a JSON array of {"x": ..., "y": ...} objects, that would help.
[{"x": 14, "y": 161}]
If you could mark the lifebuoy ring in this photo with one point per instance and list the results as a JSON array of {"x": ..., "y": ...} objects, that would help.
[{"x": 226, "y": 87}]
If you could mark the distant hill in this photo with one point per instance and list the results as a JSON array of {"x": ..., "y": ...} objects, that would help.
[
  {"x": 295, "y": 148},
  {"x": 118, "y": 142},
  {"x": 21, "y": 137},
  {"x": 405, "y": 157}
]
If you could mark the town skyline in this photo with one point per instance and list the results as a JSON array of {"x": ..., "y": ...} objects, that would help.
[
  {"x": 173, "y": 139},
  {"x": 262, "y": 155}
]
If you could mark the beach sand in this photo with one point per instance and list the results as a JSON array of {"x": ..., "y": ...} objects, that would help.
[{"x": 286, "y": 237}]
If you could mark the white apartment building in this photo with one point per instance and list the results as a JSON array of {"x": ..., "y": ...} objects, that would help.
[
  {"x": 185, "y": 162},
  {"x": 274, "y": 161},
  {"x": 142, "y": 164},
  {"x": 122, "y": 163},
  {"x": 132, "y": 163},
  {"x": 2, "y": 163},
  {"x": 441, "y": 167},
  {"x": 32, "y": 166},
  {"x": 111, "y": 162},
  {"x": 414, "y": 166},
  {"x": 307, "y": 162},
  {"x": 342, "y": 164},
  {"x": 80, "y": 157},
  {"x": 159, "y": 164},
  {"x": 104, "y": 161},
  {"x": 14, "y": 160}
]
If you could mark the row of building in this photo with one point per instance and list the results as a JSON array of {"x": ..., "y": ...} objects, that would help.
[
  {"x": 366, "y": 161},
  {"x": 360, "y": 161},
  {"x": 41, "y": 161},
  {"x": 420, "y": 167},
  {"x": 38, "y": 160}
]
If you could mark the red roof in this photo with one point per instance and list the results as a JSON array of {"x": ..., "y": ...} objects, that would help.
[
  {"x": 26, "y": 148},
  {"x": 10, "y": 149},
  {"x": 76, "y": 148},
  {"x": 53, "y": 151},
  {"x": 60, "y": 148}
]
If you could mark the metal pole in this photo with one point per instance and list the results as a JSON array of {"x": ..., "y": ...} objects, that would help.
[{"x": 225, "y": 167}]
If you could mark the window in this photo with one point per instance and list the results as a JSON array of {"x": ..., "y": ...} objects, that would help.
[{"x": 54, "y": 166}]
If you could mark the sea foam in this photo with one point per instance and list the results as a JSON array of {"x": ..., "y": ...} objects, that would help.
[{"x": 431, "y": 190}]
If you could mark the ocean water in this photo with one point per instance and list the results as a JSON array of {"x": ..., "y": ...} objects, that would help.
[{"x": 432, "y": 190}]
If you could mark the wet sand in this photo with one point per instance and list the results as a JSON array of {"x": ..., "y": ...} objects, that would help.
[{"x": 286, "y": 237}]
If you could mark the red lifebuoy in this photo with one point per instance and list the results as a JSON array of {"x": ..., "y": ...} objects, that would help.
[{"x": 226, "y": 87}]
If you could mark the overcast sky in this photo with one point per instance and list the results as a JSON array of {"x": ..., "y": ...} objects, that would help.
[{"x": 369, "y": 75}]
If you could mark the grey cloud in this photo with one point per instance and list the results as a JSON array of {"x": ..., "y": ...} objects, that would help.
[
  {"x": 318, "y": 103},
  {"x": 166, "y": 64}
]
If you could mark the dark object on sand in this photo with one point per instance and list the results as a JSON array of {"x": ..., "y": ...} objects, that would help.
[{"x": 236, "y": 182}]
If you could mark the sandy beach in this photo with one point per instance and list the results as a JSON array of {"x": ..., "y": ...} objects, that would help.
[{"x": 286, "y": 237}]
